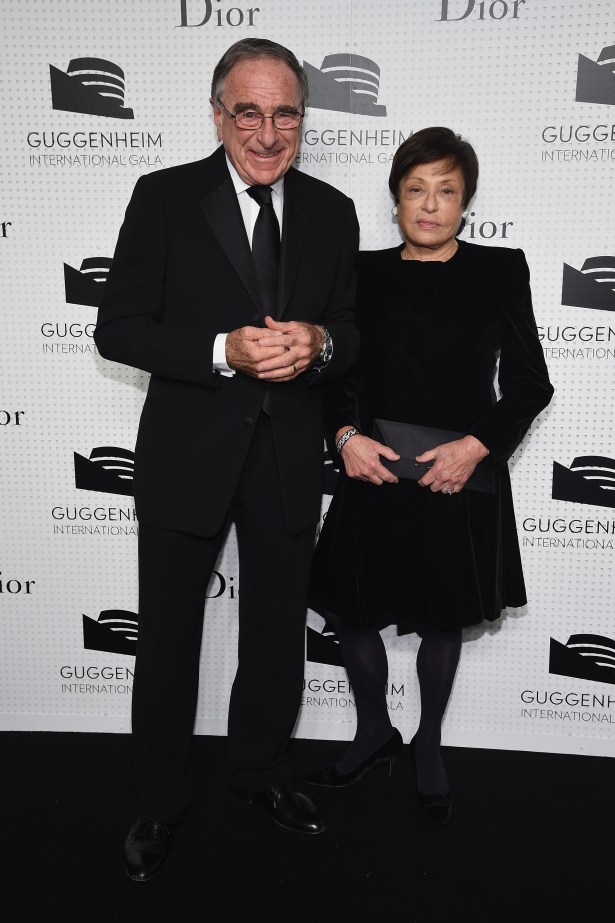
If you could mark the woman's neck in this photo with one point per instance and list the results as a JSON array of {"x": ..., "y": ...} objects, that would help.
[{"x": 427, "y": 254}]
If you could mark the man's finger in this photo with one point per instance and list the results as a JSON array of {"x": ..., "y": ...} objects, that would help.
[
  {"x": 281, "y": 374},
  {"x": 280, "y": 325},
  {"x": 285, "y": 360},
  {"x": 274, "y": 339}
]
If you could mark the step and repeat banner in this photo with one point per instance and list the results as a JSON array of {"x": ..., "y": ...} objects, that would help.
[{"x": 99, "y": 92}]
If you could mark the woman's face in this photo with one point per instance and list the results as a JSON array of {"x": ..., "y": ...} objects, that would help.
[{"x": 430, "y": 204}]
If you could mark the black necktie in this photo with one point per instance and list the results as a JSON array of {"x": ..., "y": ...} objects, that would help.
[{"x": 266, "y": 249}]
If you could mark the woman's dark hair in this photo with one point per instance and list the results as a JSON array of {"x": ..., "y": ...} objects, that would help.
[
  {"x": 429, "y": 145},
  {"x": 250, "y": 48}
]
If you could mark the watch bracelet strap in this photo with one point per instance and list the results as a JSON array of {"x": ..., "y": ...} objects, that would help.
[{"x": 327, "y": 347}]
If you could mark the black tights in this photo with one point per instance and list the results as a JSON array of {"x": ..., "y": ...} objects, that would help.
[{"x": 366, "y": 663}]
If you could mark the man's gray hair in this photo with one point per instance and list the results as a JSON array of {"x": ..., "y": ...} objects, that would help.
[{"x": 250, "y": 48}]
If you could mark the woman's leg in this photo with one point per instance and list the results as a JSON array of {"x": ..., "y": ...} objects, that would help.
[
  {"x": 365, "y": 659},
  {"x": 436, "y": 665}
]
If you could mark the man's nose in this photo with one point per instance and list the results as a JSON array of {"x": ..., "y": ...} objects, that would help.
[{"x": 268, "y": 133}]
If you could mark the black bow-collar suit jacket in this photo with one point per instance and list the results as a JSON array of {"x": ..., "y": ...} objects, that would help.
[{"x": 181, "y": 274}]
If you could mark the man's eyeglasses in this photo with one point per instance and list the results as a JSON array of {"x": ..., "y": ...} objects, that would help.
[{"x": 251, "y": 120}]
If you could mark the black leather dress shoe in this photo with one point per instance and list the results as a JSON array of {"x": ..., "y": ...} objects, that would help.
[
  {"x": 146, "y": 848},
  {"x": 288, "y": 808}
]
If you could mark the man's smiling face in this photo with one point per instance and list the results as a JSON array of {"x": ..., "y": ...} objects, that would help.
[{"x": 263, "y": 85}]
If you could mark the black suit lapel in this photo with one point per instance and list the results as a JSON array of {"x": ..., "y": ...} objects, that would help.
[
  {"x": 222, "y": 211},
  {"x": 295, "y": 224},
  {"x": 224, "y": 216}
]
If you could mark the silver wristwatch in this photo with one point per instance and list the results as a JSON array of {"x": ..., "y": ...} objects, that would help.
[{"x": 326, "y": 351}]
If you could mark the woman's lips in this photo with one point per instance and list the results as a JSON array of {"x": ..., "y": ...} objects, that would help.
[{"x": 428, "y": 225}]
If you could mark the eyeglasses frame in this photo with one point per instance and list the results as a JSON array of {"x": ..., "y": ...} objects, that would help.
[{"x": 235, "y": 115}]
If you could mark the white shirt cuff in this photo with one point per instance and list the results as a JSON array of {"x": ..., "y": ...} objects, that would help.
[{"x": 219, "y": 358}]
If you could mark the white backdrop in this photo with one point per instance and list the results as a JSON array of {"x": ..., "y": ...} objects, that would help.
[{"x": 532, "y": 85}]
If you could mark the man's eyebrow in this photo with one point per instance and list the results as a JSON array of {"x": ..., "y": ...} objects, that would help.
[
  {"x": 254, "y": 107},
  {"x": 244, "y": 107}
]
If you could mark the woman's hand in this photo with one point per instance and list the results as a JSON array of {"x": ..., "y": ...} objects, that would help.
[
  {"x": 361, "y": 457},
  {"x": 453, "y": 463}
]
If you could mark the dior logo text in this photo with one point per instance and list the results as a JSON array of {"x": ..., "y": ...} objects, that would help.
[
  {"x": 215, "y": 13},
  {"x": 497, "y": 9},
  {"x": 14, "y": 586},
  {"x": 486, "y": 229},
  {"x": 11, "y": 417},
  {"x": 220, "y": 586}
]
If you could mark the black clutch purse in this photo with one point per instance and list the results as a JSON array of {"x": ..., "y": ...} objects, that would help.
[{"x": 409, "y": 440}]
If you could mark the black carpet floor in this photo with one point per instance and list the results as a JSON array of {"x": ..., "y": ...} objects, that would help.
[{"x": 531, "y": 839}]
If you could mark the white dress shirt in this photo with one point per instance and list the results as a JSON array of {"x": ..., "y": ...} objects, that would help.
[{"x": 249, "y": 213}]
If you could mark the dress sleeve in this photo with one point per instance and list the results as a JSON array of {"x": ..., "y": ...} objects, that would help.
[{"x": 523, "y": 377}]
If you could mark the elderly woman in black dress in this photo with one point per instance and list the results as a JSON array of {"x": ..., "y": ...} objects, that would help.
[{"x": 432, "y": 555}]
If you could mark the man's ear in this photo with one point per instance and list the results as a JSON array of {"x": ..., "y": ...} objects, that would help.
[{"x": 217, "y": 118}]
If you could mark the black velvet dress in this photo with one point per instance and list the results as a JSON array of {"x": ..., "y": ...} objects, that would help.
[{"x": 431, "y": 334}]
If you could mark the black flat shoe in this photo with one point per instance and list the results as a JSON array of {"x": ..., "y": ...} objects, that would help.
[
  {"x": 435, "y": 805},
  {"x": 389, "y": 752},
  {"x": 289, "y": 809},
  {"x": 146, "y": 849}
]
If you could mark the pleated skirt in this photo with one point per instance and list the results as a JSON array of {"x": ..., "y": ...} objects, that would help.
[{"x": 400, "y": 554}]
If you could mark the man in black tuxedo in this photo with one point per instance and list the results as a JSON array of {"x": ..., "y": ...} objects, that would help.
[{"x": 233, "y": 285}]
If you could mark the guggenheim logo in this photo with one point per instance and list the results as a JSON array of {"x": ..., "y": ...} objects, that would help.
[
  {"x": 91, "y": 86},
  {"x": 115, "y": 632},
  {"x": 590, "y": 479},
  {"x": 584, "y": 657},
  {"x": 86, "y": 285},
  {"x": 323, "y": 647},
  {"x": 108, "y": 470},
  {"x": 592, "y": 286},
  {"x": 596, "y": 79},
  {"x": 345, "y": 83}
]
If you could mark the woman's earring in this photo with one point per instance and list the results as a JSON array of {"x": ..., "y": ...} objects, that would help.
[{"x": 394, "y": 211}]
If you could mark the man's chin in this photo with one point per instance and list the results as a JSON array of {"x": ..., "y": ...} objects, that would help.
[{"x": 265, "y": 171}]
